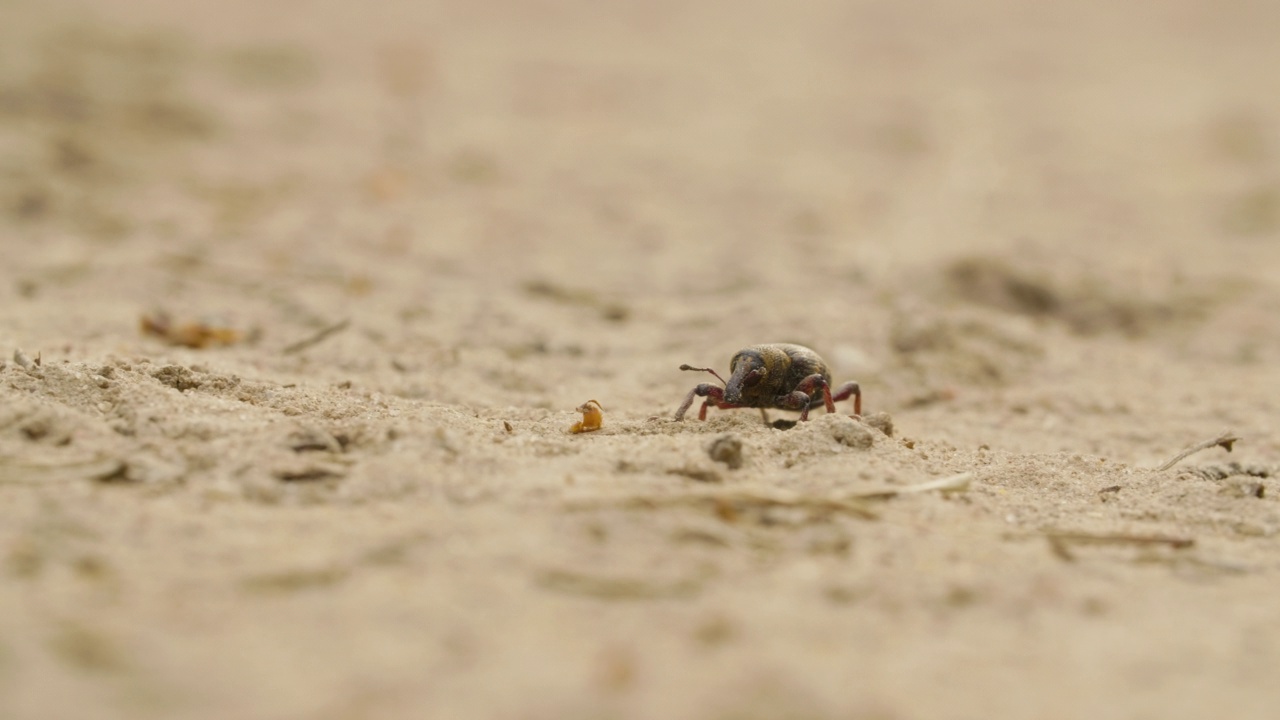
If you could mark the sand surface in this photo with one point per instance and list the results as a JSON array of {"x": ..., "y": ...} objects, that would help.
[{"x": 397, "y": 243}]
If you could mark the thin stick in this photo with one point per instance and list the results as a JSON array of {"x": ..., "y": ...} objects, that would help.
[
  {"x": 746, "y": 497},
  {"x": 18, "y": 473},
  {"x": 1120, "y": 539},
  {"x": 318, "y": 337},
  {"x": 953, "y": 483},
  {"x": 1224, "y": 441},
  {"x": 1060, "y": 542}
]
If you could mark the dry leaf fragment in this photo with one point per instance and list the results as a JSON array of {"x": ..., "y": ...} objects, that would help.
[{"x": 198, "y": 334}]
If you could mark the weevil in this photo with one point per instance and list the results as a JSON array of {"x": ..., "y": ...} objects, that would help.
[{"x": 778, "y": 375}]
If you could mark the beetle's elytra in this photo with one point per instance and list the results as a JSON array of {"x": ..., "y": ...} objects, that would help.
[{"x": 777, "y": 375}]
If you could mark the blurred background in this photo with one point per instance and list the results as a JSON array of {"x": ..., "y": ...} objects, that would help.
[{"x": 646, "y": 143}]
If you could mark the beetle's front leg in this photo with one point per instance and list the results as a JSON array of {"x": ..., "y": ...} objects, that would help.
[
  {"x": 801, "y": 398},
  {"x": 712, "y": 393},
  {"x": 794, "y": 401},
  {"x": 846, "y": 390}
]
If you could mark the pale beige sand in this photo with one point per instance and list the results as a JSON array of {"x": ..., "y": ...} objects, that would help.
[{"x": 1045, "y": 239}]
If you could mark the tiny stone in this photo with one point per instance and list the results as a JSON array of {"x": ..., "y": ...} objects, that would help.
[{"x": 727, "y": 449}]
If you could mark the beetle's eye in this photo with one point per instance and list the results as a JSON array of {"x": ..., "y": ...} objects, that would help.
[{"x": 753, "y": 378}]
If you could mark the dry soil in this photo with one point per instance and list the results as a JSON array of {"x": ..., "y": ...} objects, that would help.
[{"x": 381, "y": 251}]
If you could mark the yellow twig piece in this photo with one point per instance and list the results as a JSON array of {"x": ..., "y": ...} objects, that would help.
[{"x": 592, "y": 417}]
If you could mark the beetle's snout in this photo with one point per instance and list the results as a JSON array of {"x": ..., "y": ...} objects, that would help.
[{"x": 733, "y": 392}]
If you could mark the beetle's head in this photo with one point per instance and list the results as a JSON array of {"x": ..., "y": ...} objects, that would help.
[{"x": 748, "y": 371}]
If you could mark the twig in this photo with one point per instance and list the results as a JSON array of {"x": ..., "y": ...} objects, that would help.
[
  {"x": 616, "y": 588},
  {"x": 318, "y": 337},
  {"x": 20, "y": 473},
  {"x": 1224, "y": 441},
  {"x": 1120, "y": 539},
  {"x": 953, "y": 483},
  {"x": 1059, "y": 542},
  {"x": 725, "y": 500}
]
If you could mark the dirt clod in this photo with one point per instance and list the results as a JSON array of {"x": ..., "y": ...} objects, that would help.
[
  {"x": 881, "y": 421},
  {"x": 726, "y": 449},
  {"x": 848, "y": 431}
]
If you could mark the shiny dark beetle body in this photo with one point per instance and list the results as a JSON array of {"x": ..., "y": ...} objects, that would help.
[{"x": 779, "y": 376}]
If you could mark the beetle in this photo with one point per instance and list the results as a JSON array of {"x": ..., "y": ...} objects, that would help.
[{"x": 777, "y": 375}]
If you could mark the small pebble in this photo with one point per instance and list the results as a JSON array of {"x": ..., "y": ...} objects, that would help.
[{"x": 726, "y": 449}]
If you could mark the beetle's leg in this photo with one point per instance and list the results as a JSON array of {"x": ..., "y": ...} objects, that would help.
[
  {"x": 764, "y": 415},
  {"x": 801, "y": 398},
  {"x": 709, "y": 402},
  {"x": 702, "y": 414},
  {"x": 797, "y": 401},
  {"x": 846, "y": 390},
  {"x": 712, "y": 394}
]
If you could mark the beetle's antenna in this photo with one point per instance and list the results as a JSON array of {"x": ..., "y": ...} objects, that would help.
[{"x": 713, "y": 372}]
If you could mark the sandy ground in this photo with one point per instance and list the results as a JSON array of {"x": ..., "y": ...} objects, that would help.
[{"x": 409, "y": 238}]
